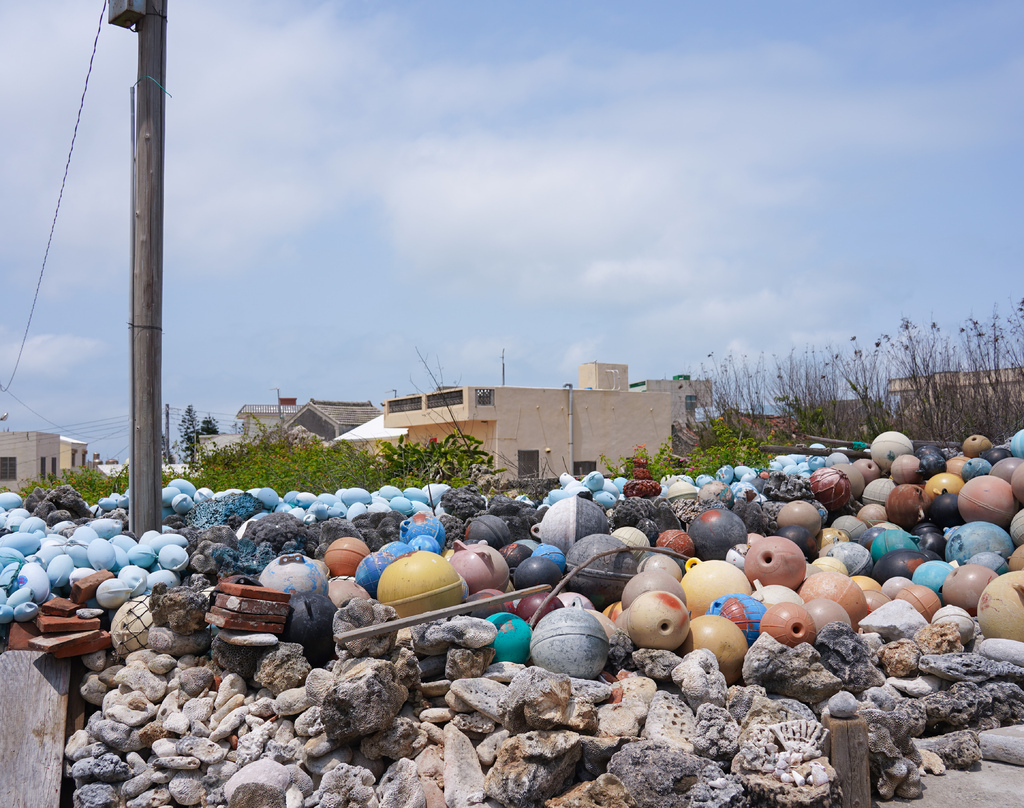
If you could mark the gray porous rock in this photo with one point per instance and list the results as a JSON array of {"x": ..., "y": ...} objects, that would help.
[
  {"x": 843, "y": 705},
  {"x": 404, "y": 738},
  {"x": 463, "y": 776},
  {"x": 782, "y": 487},
  {"x": 699, "y": 680},
  {"x": 717, "y": 734},
  {"x": 464, "y": 631},
  {"x": 670, "y": 721},
  {"x": 467, "y": 663},
  {"x": 794, "y": 672},
  {"x": 346, "y": 786},
  {"x": 969, "y": 667},
  {"x": 364, "y": 699},
  {"x": 606, "y": 791},
  {"x": 533, "y": 767},
  {"x": 361, "y": 613},
  {"x": 957, "y": 750},
  {"x": 181, "y": 609},
  {"x": 656, "y": 664},
  {"x": 166, "y": 641},
  {"x": 400, "y": 787},
  {"x": 97, "y": 795},
  {"x": 258, "y": 795},
  {"x": 657, "y": 775},
  {"x": 844, "y": 654},
  {"x": 283, "y": 667},
  {"x": 893, "y": 758},
  {"x": 536, "y": 699}
]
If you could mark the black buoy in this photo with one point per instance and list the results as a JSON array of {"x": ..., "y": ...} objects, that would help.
[
  {"x": 537, "y": 570},
  {"x": 802, "y": 538},
  {"x": 932, "y": 461},
  {"x": 310, "y": 623},
  {"x": 945, "y": 510},
  {"x": 488, "y": 528}
]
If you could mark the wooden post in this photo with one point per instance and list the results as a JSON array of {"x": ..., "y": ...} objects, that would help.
[
  {"x": 848, "y": 754},
  {"x": 147, "y": 274}
]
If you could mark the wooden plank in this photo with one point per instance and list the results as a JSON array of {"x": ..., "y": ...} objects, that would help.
[
  {"x": 233, "y": 603},
  {"x": 33, "y": 712},
  {"x": 807, "y": 450},
  {"x": 256, "y": 592},
  {"x": 437, "y": 614},
  {"x": 848, "y": 754}
]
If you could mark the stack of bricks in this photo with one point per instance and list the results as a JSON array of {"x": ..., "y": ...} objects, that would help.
[
  {"x": 240, "y": 607},
  {"x": 58, "y": 629}
]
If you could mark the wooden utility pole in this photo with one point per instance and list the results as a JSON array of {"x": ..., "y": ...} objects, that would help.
[{"x": 147, "y": 271}]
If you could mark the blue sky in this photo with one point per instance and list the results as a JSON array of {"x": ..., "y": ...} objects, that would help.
[{"x": 349, "y": 184}]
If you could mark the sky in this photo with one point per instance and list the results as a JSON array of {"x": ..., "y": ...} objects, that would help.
[{"x": 363, "y": 198}]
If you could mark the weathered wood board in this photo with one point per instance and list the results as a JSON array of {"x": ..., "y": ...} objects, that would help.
[{"x": 33, "y": 712}]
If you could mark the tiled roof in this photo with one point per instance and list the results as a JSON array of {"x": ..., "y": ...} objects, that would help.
[{"x": 347, "y": 412}]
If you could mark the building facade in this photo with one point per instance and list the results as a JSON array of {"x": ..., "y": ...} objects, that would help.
[
  {"x": 27, "y": 455},
  {"x": 536, "y": 431}
]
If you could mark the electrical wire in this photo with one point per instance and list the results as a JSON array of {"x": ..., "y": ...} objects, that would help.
[{"x": 53, "y": 224}]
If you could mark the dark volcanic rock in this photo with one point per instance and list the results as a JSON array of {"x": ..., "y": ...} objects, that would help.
[
  {"x": 216, "y": 511},
  {"x": 463, "y": 502},
  {"x": 846, "y": 655},
  {"x": 181, "y": 609},
  {"x": 65, "y": 498},
  {"x": 282, "y": 532}
]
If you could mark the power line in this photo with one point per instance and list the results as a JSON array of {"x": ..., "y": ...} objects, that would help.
[{"x": 60, "y": 196}]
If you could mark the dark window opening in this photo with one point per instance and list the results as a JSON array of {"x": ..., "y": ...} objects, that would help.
[
  {"x": 583, "y": 467},
  {"x": 529, "y": 463}
]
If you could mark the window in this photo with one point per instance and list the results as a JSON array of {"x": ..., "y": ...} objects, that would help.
[
  {"x": 448, "y": 398},
  {"x": 53, "y": 465},
  {"x": 405, "y": 404},
  {"x": 8, "y": 468},
  {"x": 691, "y": 403},
  {"x": 74, "y": 454},
  {"x": 529, "y": 463},
  {"x": 42, "y": 466},
  {"x": 485, "y": 397},
  {"x": 582, "y": 467}
]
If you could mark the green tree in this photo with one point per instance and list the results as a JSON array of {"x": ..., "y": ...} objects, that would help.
[
  {"x": 209, "y": 426},
  {"x": 188, "y": 429}
]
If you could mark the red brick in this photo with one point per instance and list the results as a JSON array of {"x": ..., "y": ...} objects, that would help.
[
  {"x": 62, "y": 607},
  {"x": 85, "y": 588},
  {"x": 255, "y": 592},
  {"x": 234, "y": 603},
  {"x": 55, "y": 642},
  {"x": 51, "y": 624},
  {"x": 85, "y": 646},
  {"x": 242, "y": 623}
]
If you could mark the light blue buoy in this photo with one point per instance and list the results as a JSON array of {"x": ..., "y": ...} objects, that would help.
[
  {"x": 606, "y": 500},
  {"x": 9, "y": 500},
  {"x": 25, "y": 612},
  {"x": 268, "y": 498},
  {"x": 351, "y": 496},
  {"x": 173, "y": 558},
  {"x": 167, "y": 496},
  {"x": 101, "y": 554},
  {"x": 182, "y": 504},
  {"x": 975, "y": 467},
  {"x": 59, "y": 570},
  {"x": 725, "y": 474},
  {"x": 401, "y": 505},
  {"x": 184, "y": 486},
  {"x": 32, "y": 524},
  {"x": 1016, "y": 446},
  {"x": 594, "y": 481}
]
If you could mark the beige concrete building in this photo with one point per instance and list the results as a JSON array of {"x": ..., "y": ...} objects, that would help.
[
  {"x": 542, "y": 432},
  {"x": 27, "y": 455}
]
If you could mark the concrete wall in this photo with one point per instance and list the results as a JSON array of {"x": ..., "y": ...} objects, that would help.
[
  {"x": 605, "y": 422},
  {"x": 28, "y": 448},
  {"x": 680, "y": 389},
  {"x": 603, "y": 376}
]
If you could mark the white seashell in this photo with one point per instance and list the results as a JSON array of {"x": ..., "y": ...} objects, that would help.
[
  {"x": 786, "y": 777},
  {"x": 798, "y": 778},
  {"x": 819, "y": 777}
]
